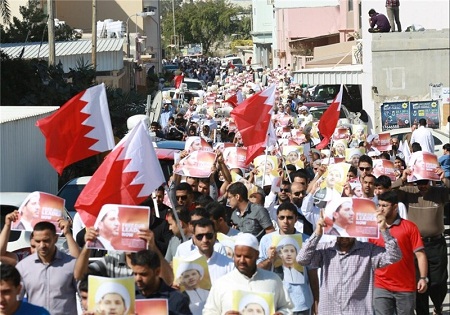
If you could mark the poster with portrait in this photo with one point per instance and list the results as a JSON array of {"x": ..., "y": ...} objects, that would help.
[
  {"x": 298, "y": 136},
  {"x": 292, "y": 154},
  {"x": 287, "y": 247},
  {"x": 196, "y": 164},
  {"x": 195, "y": 143},
  {"x": 314, "y": 133},
  {"x": 341, "y": 133},
  {"x": 267, "y": 167},
  {"x": 227, "y": 242},
  {"x": 352, "y": 155},
  {"x": 118, "y": 227},
  {"x": 253, "y": 302},
  {"x": 339, "y": 147},
  {"x": 359, "y": 132},
  {"x": 152, "y": 306},
  {"x": 351, "y": 217},
  {"x": 103, "y": 292},
  {"x": 234, "y": 157},
  {"x": 39, "y": 206},
  {"x": 428, "y": 110},
  {"x": 423, "y": 166},
  {"x": 395, "y": 115},
  {"x": 331, "y": 183},
  {"x": 192, "y": 276},
  {"x": 384, "y": 167},
  {"x": 382, "y": 142}
]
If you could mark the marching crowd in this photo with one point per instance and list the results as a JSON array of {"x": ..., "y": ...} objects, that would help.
[{"x": 234, "y": 220}]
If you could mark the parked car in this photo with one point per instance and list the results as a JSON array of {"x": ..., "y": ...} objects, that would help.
[
  {"x": 318, "y": 108},
  {"x": 19, "y": 241},
  {"x": 351, "y": 96},
  {"x": 234, "y": 61},
  {"x": 440, "y": 138}
]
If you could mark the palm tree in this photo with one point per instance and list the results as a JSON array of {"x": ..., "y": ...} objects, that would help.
[{"x": 5, "y": 11}]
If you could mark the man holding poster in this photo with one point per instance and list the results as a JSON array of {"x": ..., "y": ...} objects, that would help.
[{"x": 347, "y": 290}]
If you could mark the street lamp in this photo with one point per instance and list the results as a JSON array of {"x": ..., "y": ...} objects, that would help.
[{"x": 141, "y": 14}]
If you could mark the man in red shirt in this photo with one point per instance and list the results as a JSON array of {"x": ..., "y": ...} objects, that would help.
[{"x": 396, "y": 285}]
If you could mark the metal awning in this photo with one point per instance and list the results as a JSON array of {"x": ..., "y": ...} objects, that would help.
[{"x": 349, "y": 74}]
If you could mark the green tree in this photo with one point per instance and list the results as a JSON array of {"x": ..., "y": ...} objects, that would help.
[{"x": 205, "y": 22}]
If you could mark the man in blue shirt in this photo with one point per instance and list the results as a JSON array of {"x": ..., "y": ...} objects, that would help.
[{"x": 9, "y": 290}]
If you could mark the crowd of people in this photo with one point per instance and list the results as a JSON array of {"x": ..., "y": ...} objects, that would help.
[{"x": 286, "y": 243}]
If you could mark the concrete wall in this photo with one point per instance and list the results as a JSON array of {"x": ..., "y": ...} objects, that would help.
[{"x": 393, "y": 68}]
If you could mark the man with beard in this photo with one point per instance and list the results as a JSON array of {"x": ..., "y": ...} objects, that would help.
[
  {"x": 107, "y": 224},
  {"x": 297, "y": 194},
  {"x": 282, "y": 196},
  {"x": 146, "y": 267},
  {"x": 342, "y": 214},
  {"x": 368, "y": 186},
  {"x": 301, "y": 293},
  {"x": 425, "y": 204},
  {"x": 47, "y": 275},
  {"x": 246, "y": 277},
  {"x": 347, "y": 268}
]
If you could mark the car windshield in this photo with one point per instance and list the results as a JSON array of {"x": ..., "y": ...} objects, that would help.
[
  {"x": 194, "y": 85},
  {"x": 318, "y": 112}
]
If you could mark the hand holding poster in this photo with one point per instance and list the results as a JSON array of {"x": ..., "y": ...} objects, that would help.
[
  {"x": 423, "y": 166},
  {"x": 332, "y": 182},
  {"x": 37, "y": 207},
  {"x": 287, "y": 247},
  {"x": 234, "y": 157},
  {"x": 104, "y": 292},
  {"x": 196, "y": 164},
  {"x": 119, "y": 226},
  {"x": 384, "y": 167},
  {"x": 250, "y": 302},
  {"x": 192, "y": 275},
  {"x": 382, "y": 142},
  {"x": 351, "y": 217}
]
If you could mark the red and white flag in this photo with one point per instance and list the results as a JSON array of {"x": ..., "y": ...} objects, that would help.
[
  {"x": 252, "y": 119},
  {"x": 79, "y": 129},
  {"x": 329, "y": 120},
  {"x": 127, "y": 176}
]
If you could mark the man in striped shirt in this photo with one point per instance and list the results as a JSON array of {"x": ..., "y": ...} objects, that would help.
[{"x": 347, "y": 268}]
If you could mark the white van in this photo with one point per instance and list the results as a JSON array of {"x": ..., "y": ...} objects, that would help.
[{"x": 236, "y": 61}]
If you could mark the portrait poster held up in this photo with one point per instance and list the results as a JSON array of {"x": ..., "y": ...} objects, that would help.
[
  {"x": 384, "y": 167},
  {"x": 267, "y": 166},
  {"x": 251, "y": 302},
  {"x": 292, "y": 155},
  {"x": 235, "y": 157},
  {"x": 227, "y": 242},
  {"x": 195, "y": 143},
  {"x": 196, "y": 164},
  {"x": 331, "y": 184},
  {"x": 104, "y": 292},
  {"x": 423, "y": 166},
  {"x": 351, "y": 217},
  {"x": 152, "y": 306},
  {"x": 192, "y": 275},
  {"x": 382, "y": 142},
  {"x": 359, "y": 132},
  {"x": 119, "y": 225},
  {"x": 191, "y": 272},
  {"x": 287, "y": 247},
  {"x": 39, "y": 206}
]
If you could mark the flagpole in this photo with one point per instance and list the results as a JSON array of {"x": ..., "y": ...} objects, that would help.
[
  {"x": 284, "y": 163},
  {"x": 175, "y": 214}
]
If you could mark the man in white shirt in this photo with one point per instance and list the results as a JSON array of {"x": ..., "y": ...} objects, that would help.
[{"x": 423, "y": 136}]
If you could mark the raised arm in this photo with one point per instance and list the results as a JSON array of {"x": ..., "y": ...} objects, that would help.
[
  {"x": 64, "y": 225},
  {"x": 5, "y": 256},
  {"x": 82, "y": 263}
]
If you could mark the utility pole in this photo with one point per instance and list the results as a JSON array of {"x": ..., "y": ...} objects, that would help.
[
  {"x": 94, "y": 36},
  {"x": 51, "y": 34},
  {"x": 174, "y": 28}
]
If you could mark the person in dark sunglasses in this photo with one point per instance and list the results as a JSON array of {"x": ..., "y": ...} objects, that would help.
[{"x": 365, "y": 166}]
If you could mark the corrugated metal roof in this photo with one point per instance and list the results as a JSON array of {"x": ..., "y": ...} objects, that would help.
[
  {"x": 349, "y": 74},
  {"x": 32, "y": 50},
  {"x": 12, "y": 113}
]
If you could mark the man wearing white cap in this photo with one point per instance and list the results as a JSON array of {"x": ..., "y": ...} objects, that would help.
[
  {"x": 246, "y": 277},
  {"x": 342, "y": 214},
  {"x": 112, "y": 298},
  {"x": 107, "y": 224},
  {"x": 347, "y": 268}
]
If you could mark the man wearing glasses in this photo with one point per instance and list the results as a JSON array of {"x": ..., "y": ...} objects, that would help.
[
  {"x": 278, "y": 198},
  {"x": 205, "y": 238},
  {"x": 303, "y": 295},
  {"x": 185, "y": 196},
  {"x": 365, "y": 166}
]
